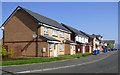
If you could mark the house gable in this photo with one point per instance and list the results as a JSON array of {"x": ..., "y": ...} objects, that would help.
[{"x": 20, "y": 27}]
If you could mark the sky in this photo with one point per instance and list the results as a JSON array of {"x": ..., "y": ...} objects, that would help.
[{"x": 99, "y": 18}]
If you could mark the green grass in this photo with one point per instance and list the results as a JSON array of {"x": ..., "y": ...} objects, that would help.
[{"x": 42, "y": 60}]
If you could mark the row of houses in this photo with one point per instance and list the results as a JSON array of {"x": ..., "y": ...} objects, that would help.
[{"x": 31, "y": 34}]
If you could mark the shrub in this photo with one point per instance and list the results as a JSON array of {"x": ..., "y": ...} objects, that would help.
[
  {"x": 4, "y": 53},
  {"x": 83, "y": 55},
  {"x": 111, "y": 46}
]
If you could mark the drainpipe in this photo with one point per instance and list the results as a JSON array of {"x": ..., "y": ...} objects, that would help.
[
  {"x": 37, "y": 43},
  {"x": 49, "y": 50}
]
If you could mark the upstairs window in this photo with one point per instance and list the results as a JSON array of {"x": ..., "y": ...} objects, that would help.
[
  {"x": 61, "y": 34},
  {"x": 61, "y": 47},
  {"x": 54, "y": 32},
  {"x": 45, "y": 30},
  {"x": 67, "y": 35}
]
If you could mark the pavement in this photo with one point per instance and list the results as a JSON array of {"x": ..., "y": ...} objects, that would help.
[{"x": 105, "y": 62}]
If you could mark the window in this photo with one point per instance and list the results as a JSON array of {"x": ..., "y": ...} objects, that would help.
[
  {"x": 80, "y": 39},
  {"x": 67, "y": 35},
  {"x": 61, "y": 47},
  {"x": 54, "y": 32},
  {"x": 61, "y": 34},
  {"x": 50, "y": 46},
  {"x": 45, "y": 30},
  {"x": 77, "y": 38}
]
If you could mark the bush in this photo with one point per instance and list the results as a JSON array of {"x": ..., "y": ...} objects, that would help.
[
  {"x": 4, "y": 53},
  {"x": 111, "y": 46}
]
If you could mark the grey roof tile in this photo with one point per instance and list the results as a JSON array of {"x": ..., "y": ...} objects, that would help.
[
  {"x": 44, "y": 19},
  {"x": 77, "y": 32},
  {"x": 48, "y": 38},
  {"x": 70, "y": 41}
]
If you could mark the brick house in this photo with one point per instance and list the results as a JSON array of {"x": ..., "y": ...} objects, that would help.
[
  {"x": 81, "y": 39},
  {"x": 32, "y": 34},
  {"x": 95, "y": 41}
]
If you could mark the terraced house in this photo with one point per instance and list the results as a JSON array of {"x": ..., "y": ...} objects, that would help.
[
  {"x": 81, "y": 39},
  {"x": 32, "y": 34},
  {"x": 95, "y": 41}
]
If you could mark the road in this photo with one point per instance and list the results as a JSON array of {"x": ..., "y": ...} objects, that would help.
[
  {"x": 103, "y": 63},
  {"x": 108, "y": 65}
]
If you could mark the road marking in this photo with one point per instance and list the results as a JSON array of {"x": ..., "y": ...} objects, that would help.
[{"x": 30, "y": 71}]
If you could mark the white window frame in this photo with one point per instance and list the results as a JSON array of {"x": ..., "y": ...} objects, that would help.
[
  {"x": 61, "y": 34},
  {"x": 54, "y": 32},
  {"x": 61, "y": 47},
  {"x": 45, "y": 30},
  {"x": 67, "y": 35}
]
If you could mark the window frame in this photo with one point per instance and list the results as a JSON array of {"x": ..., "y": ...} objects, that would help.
[
  {"x": 67, "y": 35},
  {"x": 45, "y": 28},
  {"x": 54, "y": 32},
  {"x": 61, "y": 47},
  {"x": 61, "y": 34}
]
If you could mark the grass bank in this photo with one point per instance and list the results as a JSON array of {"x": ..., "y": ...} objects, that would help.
[{"x": 42, "y": 60}]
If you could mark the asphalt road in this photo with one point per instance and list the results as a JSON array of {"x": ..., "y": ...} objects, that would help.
[
  {"x": 103, "y": 63},
  {"x": 108, "y": 65}
]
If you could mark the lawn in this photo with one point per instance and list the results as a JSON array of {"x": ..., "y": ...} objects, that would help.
[{"x": 32, "y": 60}]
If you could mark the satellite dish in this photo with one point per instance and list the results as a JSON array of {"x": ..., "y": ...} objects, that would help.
[{"x": 34, "y": 35}]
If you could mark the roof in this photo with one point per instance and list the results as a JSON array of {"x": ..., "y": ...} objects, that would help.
[
  {"x": 97, "y": 35},
  {"x": 80, "y": 43},
  {"x": 77, "y": 32},
  {"x": 90, "y": 36},
  {"x": 70, "y": 41},
  {"x": 48, "y": 38},
  {"x": 109, "y": 41},
  {"x": 43, "y": 19},
  {"x": 88, "y": 44}
]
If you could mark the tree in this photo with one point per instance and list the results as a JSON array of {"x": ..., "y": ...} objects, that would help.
[{"x": 111, "y": 46}]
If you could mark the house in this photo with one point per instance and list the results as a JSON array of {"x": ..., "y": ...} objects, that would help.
[
  {"x": 108, "y": 42},
  {"x": 81, "y": 39},
  {"x": 95, "y": 41},
  {"x": 97, "y": 44},
  {"x": 31, "y": 34}
]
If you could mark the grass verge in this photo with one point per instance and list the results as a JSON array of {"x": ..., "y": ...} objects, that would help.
[{"x": 42, "y": 60}]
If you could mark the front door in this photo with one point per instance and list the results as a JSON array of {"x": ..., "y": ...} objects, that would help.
[
  {"x": 55, "y": 50},
  {"x": 71, "y": 50}
]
